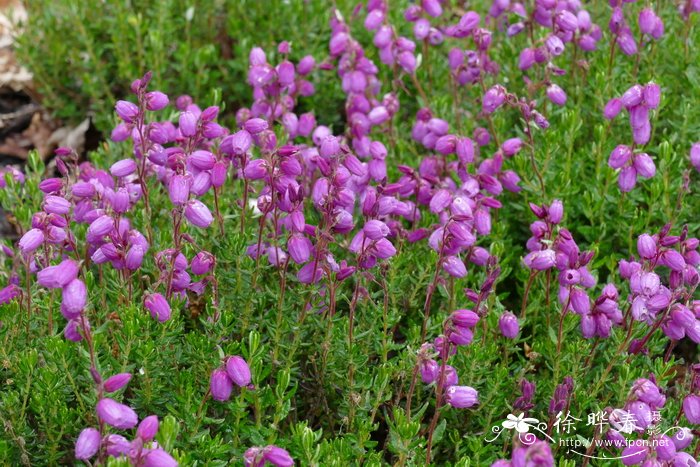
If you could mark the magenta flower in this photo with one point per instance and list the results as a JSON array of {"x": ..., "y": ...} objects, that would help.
[
  {"x": 556, "y": 94},
  {"x": 87, "y": 444},
  {"x": 179, "y": 189},
  {"x": 72, "y": 331},
  {"x": 508, "y": 324},
  {"x": 115, "y": 414},
  {"x": 540, "y": 260},
  {"x": 187, "y": 124},
  {"x": 123, "y": 168},
  {"x": 220, "y": 385},
  {"x": 695, "y": 155},
  {"x": 101, "y": 226},
  {"x": 116, "y": 445},
  {"x": 156, "y": 100},
  {"x": 198, "y": 214},
  {"x": 691, "y": 409},
  {"x": 127, "y": 111},
  {"x": 158, "y": 306},
  {"x": 74, "y": 298},
  {"x": 157, "y": 458},
  {"x": 9, "y": 293},
  {"x": 56, "y": 277},
  {"x": 202, "y": 263},
  {"x": 148, "y": 428},
  {"x": 461, "y": 397},
  {"x": 238, "y": 370},
  {"x": 31, "y": 240},
  {"x": 258, "y": 457},
  {"x": 56, "y": 205}
]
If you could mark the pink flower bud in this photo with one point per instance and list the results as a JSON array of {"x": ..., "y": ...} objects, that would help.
[
  {"x": 299, "y": 248},
  {"x": 627, "y": 179},
  {"x": 179, "y": 189},
  {"x": 116, "y": 445},
  {"x": 72, "y": 331},
  {"x": 540, "y": 260},
  {"x": 134, "y": 257},
  {"x": 644, "y": 165},
  {"x": 511, "y": 146},
  {"x": 652, "y": 95},
  {"x": 633, "y": 96},
  {"x": 202, "y": 263},
  {"x": 554, "y": 45},
  {"x": 619, "y": 156},
  {"x": 378, "y": 115},
  {"x": 627, "y": 43},
  {"x": 695, "y": 155},
  {"x": 120, "y": 133},
  {"x": 432, "y": 7},
  {"x": 647, "y": 21},
  {"x": 306, "y": 65},
  {"x": 454, "y": 266},
  {"x": 375, "y": 229},
  {"x": 116, "y": 382},
  {"x": 580, "y": 301}
]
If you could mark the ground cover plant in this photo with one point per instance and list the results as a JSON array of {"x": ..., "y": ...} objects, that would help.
[{"x": 454, "y": 235}]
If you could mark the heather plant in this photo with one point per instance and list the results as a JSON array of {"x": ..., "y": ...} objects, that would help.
[{"x": 405, "y": 247}]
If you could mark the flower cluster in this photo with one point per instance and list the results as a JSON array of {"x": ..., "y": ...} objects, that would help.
[
  {"x": 393, "y": 49},
  {"x": 664, "y": 303},
  {"x": 141, "y": 451},
  {"x": 641, "y": 415},
  {"x": 650, "y": 27},
  {"x": 550, "y": 249},
  {"x": 638, "y": 100}
]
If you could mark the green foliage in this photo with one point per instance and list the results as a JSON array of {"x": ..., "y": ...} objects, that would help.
[{"x": 84, "y": 54}]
